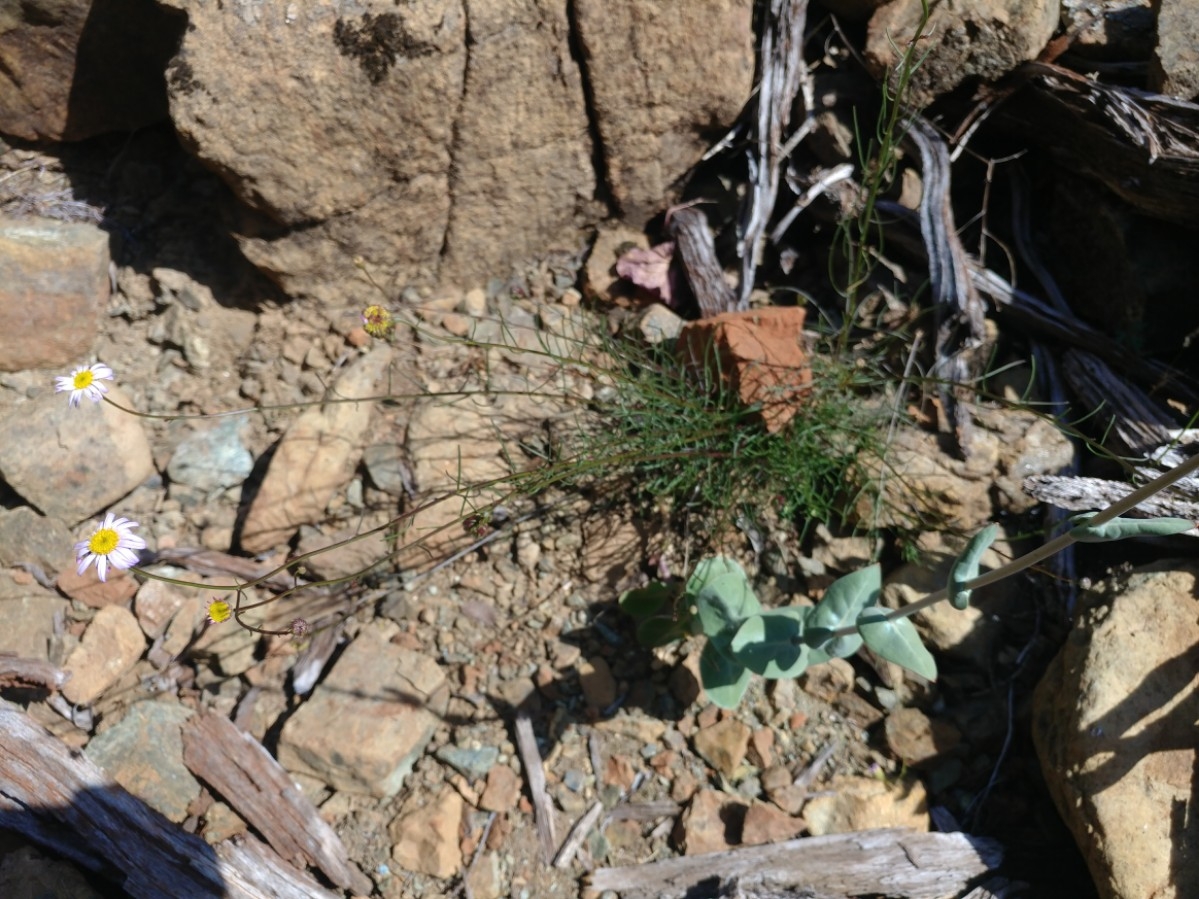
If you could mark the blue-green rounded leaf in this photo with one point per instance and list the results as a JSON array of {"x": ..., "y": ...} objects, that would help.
[
  {"x": 723, "y": 679},
  {"x": 896, "y": 640},
  {"x": 840, "y": 607},
  {"x": 722, "y": 595},
  {"x": 965, "y": 567},
  {"x": 660, "y": 631},
  {"x": 771, "y": 644},
  {"x": 642, "y": 602},
  {"x": 1122, "y": 528}
]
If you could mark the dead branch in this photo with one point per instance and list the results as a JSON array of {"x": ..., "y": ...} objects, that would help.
[
  {"x": 889, "y": 861},
  {"x": 697, "y": 252},
  {"x": 59, "y": 799},
  {"x": 959, "y": 311},
  {"x": 784, "y": 77},
  {"x": 543, "y": 807},
  {"x": 258, "y": 788}
]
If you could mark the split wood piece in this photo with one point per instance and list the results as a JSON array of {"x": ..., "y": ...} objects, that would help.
[
  {"x": 20, "y": 672},
  {"x": 1079, "y": 494},
  {"x": 252, "y": 867},
  {"x": 697, "y": 253},
  {"x": 1140, "y": 145},
  {"x": 543, "y": 807},
  {"x": 313, "y": 659},
  {"x": 1042, "y": 320},
  {"x": 785, "y": 76},
  {"x": 1140, "y": 424},
  {"x": 896, "y": 862},
  {"x": 259, "y": 789},
  {"x": 961, "y": 327},
  {"x": 577, "y": 835},
  {"x": 59, "y": 799}
]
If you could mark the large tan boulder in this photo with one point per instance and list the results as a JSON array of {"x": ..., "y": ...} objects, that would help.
[
  {"x": 1114, "y": 727},
  {"x": 666, "y": 81},
  {"x": 445, "y": 140},
  {"x": 72, "y": 69}
]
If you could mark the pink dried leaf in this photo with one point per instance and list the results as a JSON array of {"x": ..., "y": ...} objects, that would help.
[{"x": 649, "y": 268}]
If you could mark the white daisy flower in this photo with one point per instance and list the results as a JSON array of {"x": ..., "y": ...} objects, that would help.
[
  {"x": 85, "y": 382},
  {"x": 113, "y": 543}
]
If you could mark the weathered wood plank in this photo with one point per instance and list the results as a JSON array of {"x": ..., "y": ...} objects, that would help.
[
  {"x": 57, "y": 798},
  {"x": 891, "y": 862},
  {"x": 259, "y": 789}
]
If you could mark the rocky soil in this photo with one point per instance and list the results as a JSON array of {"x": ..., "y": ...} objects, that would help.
[{"x": 430, "y": 797}]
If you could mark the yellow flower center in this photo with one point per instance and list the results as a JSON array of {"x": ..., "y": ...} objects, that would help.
[
  {"x": 219, "y": 611},
  {"x": 377, "y": 321},
  {"x": 104, "y": 540},
  {"x": 83, "y": 379}
]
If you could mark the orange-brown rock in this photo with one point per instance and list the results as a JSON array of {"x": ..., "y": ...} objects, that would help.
[{"x": 759, "y": 354}]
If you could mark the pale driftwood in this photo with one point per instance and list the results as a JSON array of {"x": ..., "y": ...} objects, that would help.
[
  {"x": 784, "y": 77},
  {"x": 1140, "y": 145},
  {"x": 1139, "y": 426},
  {"x": 16, "y": 671},
  {"x": 693, "y": 238},
  {"x": 543, "y": 807},
  {"x": 1088, "y": 494},
  {"x": 57, "y": 798},
  {"x": 258, "y": 788},
  {"x": 313, "y": 659},
  {"x": 893, "y": 862},
  {"x": 958, "y": 307},
  {"x": 577, "y": 835},
  {"x": 252, "y": 869}
]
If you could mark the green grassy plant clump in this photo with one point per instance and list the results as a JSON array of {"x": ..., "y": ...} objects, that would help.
[{"x": 675, "y": 433}]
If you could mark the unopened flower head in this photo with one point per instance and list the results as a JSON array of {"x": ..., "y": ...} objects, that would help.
[
  {"x": 219, "y": 611},
  {"x": 84, "y": 382},
  {"x": 300, "y": 627},
  {"x": 112, "y": 543},
  {"x": 378, "y": 322}
]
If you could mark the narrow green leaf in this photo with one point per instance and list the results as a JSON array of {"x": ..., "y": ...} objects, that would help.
[
  {"x": 722, "y": 595},
  {"x": 771, "y": 644},
  {"x": 642, "y": 602},
  {"x": 843, "y": 602},
  {"x": 1122, "y": 528},
  {"x": 965, "y": 568},
  {"x": 897, "y": 641},
  {"x": 723, "y": 679}
]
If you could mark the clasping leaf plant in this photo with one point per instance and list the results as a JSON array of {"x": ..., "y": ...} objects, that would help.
[{"x": 743, "y": 638}]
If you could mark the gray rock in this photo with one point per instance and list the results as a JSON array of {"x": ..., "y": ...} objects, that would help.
[
  {"x": 474, "y": 763},
  {"x": 386, "y": 468},
  {"x": 212, "y": 459},
  {"x": 26, "y": 536},
  {"x": 1174, "y": 69},
  {"x": 27, "y": 621},
  {"x": 143, "y": 752},
  {"x": 53, "y": 287},
  {"x": 658, "y": 323},
  {"x": 72, "y": 463},
  {"x": 384, "y": 700},
  {"x": 984, "y": 39}
]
